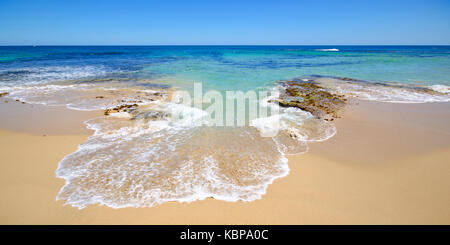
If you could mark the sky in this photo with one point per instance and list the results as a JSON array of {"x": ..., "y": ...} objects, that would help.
[{"x": 224, "y": 22}]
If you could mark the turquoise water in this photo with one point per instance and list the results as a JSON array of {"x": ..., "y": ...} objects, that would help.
[
  {"x": 227, "y": 67},
  {"x": 144, "y": 157}
]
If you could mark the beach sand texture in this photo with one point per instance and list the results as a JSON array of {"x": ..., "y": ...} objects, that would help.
[{"x": 387, "y": 164}]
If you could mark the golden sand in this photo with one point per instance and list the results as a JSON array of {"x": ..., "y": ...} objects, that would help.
[{"x": 388, "y": 164}]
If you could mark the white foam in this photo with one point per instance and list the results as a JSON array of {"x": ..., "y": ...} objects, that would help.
[
  {"x": 267, "y": 126},
  {"x": 328, "y": 50},
  {"x": 148, "y": 161},
  {"x": 441, "y": 88},
  {"x": 45, "y": 74},
  {"x": 185, "y": 116},
  {"x": 121, "y": 115},
  {"x": 159, "y": 166},
  {"x": 144, "y": 162},
  {"x": 82, "y": 97},
  {"x": 393, "y": 93}
]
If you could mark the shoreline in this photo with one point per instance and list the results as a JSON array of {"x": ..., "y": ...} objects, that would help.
[{"x": 400, "y": 176}]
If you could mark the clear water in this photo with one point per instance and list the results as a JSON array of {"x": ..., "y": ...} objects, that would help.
[
  {"x": 227, "y": 67},
  {"x": 137, "y": 159}
]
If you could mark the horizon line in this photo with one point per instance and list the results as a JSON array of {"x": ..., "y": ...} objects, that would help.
[{"x": 80, "y": 45}]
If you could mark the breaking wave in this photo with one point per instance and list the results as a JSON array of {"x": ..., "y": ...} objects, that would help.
[
  {"x": 45, "y": 74},
  {"x": 328, "y": 50},
  {"x": 384, "y": 92}
]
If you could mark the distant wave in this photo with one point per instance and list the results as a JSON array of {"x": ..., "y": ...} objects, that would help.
[{"x": 328, "y": 50}]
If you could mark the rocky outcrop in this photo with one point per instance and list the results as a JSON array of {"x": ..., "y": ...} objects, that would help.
[
  {"x": 120, "y": 108},
  {"x": 311, "y": 97}
]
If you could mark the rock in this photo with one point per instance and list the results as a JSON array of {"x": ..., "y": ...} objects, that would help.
[
  {"x": 120, "y": 108},
  {"x": 3, "y": 94},
  {"x": 309, "y": 96}
]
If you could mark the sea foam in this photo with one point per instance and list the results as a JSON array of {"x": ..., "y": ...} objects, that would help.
[
  {"x": 146, "y": 161},
  {"x": 385, "y": 92},
  {"x": 328, "y": 50},
  {"x": 142, "y": 158}
]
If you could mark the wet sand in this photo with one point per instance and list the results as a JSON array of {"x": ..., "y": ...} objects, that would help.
[{"x": 388, "y": 164}]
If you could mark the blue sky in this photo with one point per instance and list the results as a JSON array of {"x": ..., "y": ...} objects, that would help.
[{"x": 170, "y": 22}]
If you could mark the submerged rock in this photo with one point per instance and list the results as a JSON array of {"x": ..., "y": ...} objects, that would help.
[
  {"x": 94, "y": 80},
  {"x": 311, "y": 97},
  {"x": 349, "y": 79},
  {"x": 151, "y": 115}
]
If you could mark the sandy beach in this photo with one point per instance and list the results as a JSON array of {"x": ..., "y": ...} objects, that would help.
[{"x": 388, "y": 164}]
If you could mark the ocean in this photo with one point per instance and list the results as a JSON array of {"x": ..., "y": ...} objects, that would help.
[{"x": 141, "y": 156}]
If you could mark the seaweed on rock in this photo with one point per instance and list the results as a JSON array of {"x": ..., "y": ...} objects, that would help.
[{"x": 311, "y": 97}]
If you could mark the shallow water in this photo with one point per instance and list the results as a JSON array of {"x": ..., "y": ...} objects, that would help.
[{"x": 142, "y": 156}]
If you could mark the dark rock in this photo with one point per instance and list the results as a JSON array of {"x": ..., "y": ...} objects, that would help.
[
  {"x": 310, "y": 96},
  {"x": 120, "y": 108}
]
